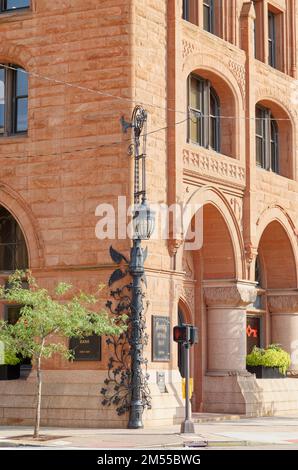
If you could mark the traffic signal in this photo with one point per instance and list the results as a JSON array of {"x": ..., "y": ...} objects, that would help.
[
  {"x": 180, "y": 334},
  {"x": 185, "y": 334}
]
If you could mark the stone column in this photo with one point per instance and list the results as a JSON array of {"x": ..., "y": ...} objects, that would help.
[
  {"x": 226, "y": 325},
  {"x": 283, "y": 307}
]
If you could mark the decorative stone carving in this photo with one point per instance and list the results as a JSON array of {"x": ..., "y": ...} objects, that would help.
[
  {"x": 187, "y": 267},
  {"x": 280, "y": 303},
  {"x": 187, "y": 48},
  {"x": 250, "y": 252},
  {"x": 282, "y": 93},
  {"x": 186, "y": 291},
  {"x": 186, "y": 193},
  {"x": 238, "y": 71},
  {"x": 188, "y": 294},
  {"x": 210, "y": 166},
  {"x": 237, "y": 209},
  {"x": 174, "y": 245},
  {"x": 233, "y": 295}
]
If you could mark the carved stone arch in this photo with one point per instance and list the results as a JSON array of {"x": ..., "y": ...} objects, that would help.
[
  {"x": 274, "y": 95},
  {"x": 276, "y": 214},
  {"x": 210, "y": 195},
  {"x": 18, "y": 55},
  {"x": 186, "y": 309},
  {"x": 227, "y": 72},
  {"x": 27, "y": 222}
]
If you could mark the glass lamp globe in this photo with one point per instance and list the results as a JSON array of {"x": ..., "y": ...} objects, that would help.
[{"x": 143, "y": 221}]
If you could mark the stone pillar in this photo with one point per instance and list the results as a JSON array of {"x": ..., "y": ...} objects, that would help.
[
  {"x": 226, "y": 325},
  {"x": 283, "y": 308}
]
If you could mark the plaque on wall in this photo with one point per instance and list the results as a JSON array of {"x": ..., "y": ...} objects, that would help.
[
  {"x": 87, "y": 348},
  {"x": 160, "y": 339}
]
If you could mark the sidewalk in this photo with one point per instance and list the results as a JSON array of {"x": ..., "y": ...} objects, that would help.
[{"x": 274, "y": 431}]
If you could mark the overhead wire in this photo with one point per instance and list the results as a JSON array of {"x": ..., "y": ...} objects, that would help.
[{"x": 111, "y": 95}]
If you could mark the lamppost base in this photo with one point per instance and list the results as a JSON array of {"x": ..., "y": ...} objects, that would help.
[
  {"x": 135, "y": 416},
  {"x": 187, "y": 427},
  {"x": 135, "y": 425}
]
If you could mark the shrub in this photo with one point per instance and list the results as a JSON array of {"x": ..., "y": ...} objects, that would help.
[
  {"x": 272, "y": 356},
  {"x": 9, "y": 358}
]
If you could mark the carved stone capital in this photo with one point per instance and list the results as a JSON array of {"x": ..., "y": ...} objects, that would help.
[
  {"x": 283, "y": 302},
  {"x": 250, "y": 252},
  {"x": 237, "y": 295}
]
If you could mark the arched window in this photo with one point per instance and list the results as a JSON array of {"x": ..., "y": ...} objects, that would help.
[
  {"x": 204, "y": 113},
  {"x": 13, "y": 250},
  {"x": 267, "y": 148},
  {"x": 13, "y": 100}
]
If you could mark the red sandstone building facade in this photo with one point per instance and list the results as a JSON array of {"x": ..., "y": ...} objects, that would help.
[{"x": 219, "y": 80}]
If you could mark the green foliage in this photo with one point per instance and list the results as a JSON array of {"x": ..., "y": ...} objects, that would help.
[
  {"x": 45, "y": 322},
  {"x": 10, "y": 358},
  {"x": 273, "y": 356}
]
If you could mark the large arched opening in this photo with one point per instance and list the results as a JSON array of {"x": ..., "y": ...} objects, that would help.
[
  {"x": 211, "y": 271},
  {"x": 277, "y": 302}
]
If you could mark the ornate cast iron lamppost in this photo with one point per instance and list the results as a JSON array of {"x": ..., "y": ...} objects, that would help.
[
  {"x": 127, "y": 385},
  {"x": 143, "y": 226}
]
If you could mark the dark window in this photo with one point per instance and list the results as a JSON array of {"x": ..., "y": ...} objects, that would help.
[
  {"x": 10, "y": 5},
  {"x": 181, "y": 356},
  {"x": 13, "y": 100},
  {"x": 186, "y": 10},
  {"x": 13, "y": 313},
  {"x": 13, "y": 250},
  {"x": 190, "y": 11},
  {"x": 204, "y": 111},
  {"x": 267, "y": 152},
  {"x": 208, "y": 12},
  {"x": 255, "y": 33},
  {"x": 258, "y": 277},
  {"x": 272, "y": 39}
]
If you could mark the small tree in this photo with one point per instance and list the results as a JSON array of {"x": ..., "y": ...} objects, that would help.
[{"x": 45, "y": 322}]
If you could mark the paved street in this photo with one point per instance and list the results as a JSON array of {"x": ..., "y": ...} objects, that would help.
[{"x": 259, "y": 433}]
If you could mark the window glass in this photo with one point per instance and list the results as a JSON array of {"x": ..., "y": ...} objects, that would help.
[
  {"x": 185, "y": 10},
  {"x": 208, "y": 15},
  {"x": 14, "y": 4},
  {"x": 260, "y": 137},
  {"x": 274, "y": 145},
  {"x": 266, "y": 140},
  {"x": 196, "y": 99},
  {"x": 13, "y": 250},
  {"x": 214, "y": 121},
  {"x": 195, "y": 93},
  {"x": 271, "y": 39},
  {"x": 13, "y": 100},
  {"x": 22, "y": 115},
  {"x": 204, "y": 113},
  {"x": 195, "y": 129},
  {"x": 21, "y": 83}
]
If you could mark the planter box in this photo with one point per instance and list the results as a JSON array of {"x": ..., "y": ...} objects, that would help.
[
  {"x": 265, "y": 372},
  {"x": 9, "y": 372}
]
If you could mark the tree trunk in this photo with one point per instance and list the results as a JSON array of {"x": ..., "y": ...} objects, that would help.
[{"x": 38, "y": 403}]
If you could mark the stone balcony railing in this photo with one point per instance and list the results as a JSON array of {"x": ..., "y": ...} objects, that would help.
[{"x": 213, "y": 166}]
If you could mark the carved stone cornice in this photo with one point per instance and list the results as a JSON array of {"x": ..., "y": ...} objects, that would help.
[
  {"x": 283, "y": 302},
  {"x": 237, "y": 295}
]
